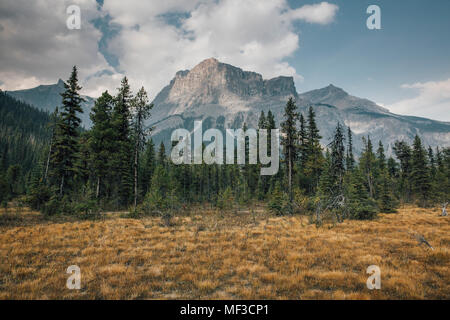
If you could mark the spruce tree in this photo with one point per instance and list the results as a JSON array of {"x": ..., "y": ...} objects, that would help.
[
  {"x": 302, "y": 138},
  {"x": 315, "y": 160},
  {"x": 262, "y": 181},
  {"x": 403, "y": 153},
  {"x": 420, "y": 174},
  {"x": 327, "y": 182},
  {"x": 350, "y": 159},
  {"x": 101, "y": 139},
  {"x": 290, "y": 140},
  {"x": 360, "y": 205},
  {"x": 381, "y": 157},
  {"x": 162, "y": 154},
  {"x": 148, "y": 166},
  {"x": 65, "y": 148},
  {"x": 367, "y": 165},
  {"x": 387, "y": 201},
  {"x": 141, "y": 112},
  {"x": 338, "y": 158},
  {"x": 122, "y": 161}
]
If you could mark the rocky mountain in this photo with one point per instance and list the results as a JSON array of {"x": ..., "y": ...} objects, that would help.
[
  {"x": 224, "y": 96},
  {"x": 47, "y": 98}
]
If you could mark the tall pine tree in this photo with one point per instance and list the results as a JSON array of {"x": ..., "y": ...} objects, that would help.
[
  {"x": 290, "y": 140},
  {"x": 65, "y": 147}
]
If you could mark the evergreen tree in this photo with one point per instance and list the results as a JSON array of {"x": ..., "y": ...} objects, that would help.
[
  {"x": 367, "y": 165},
  {"x": 141, "y": 108},
  {"x": 387, "y": 201},
  {"x": 381, "y": 157},
  {"x": 360, "y": 205},
  {"x": 122, "y": 160},
  {"x": 262, "y": 181},
  {"x": 290, "y": 140},
  {"x": 162, "y": 154},
  {"x": 279, "y": 201},
  {"x": 101, "y": 139},
  {"x": 403, "y": 153},
  {"x": 262, "y": 122},
  {"x": 65, "y": 148},
  {"x": 327, "y": 181},
  {"x": 302, "y": 137},
  {"x": 148, "y": 166},
  {"x": 315, "y": 160},
  {"x": 338, "y": 158},
  {"x": 350, "y": 159},
  {"x": 420, "y": 175}
]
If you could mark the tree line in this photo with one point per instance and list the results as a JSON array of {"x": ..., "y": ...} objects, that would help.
[{"x": 115, "y": 166}]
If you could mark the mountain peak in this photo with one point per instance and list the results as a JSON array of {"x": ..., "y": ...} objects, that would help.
[
  {"x": 333, "y": 88},
  {"x": 209, "y": 61},
  {"x": 211, "y": 80},
  {"x": 213, "y": 84},
  {"x": 60, "y": 82}
]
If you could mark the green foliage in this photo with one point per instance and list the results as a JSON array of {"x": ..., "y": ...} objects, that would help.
[
  {"x": 420, "y": 173},
  {"x": 225, "y": 200},
  {"x": 122, "y": 161},
  {"x": 113, "y": 161},
  {"x": 39, "y": 196},
  {"x": 101, "y": 141},
  {"x": 88, "y": 209},
  {"x": 359, "y": 204},
  {"x": 279, "y": 201},
  {"x": 387, "y": 201},
  {"x": 65, "y": 143},
  {"x": 156, "y": 204},
  {"x": 289, "y": 140},
  {"x": 23, "y": 138},
  {"x": 315, "y": 160}
]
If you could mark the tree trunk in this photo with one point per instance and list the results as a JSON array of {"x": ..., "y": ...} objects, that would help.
[
  {"x": 98, "y": 187},
  {"x": 48, "y": 161},
  {"x": 290, "y": 175},
  {"x": 136, "y": 174},
  {"x": 369, "y": 180},
  {"x": 61, "y": 186}
]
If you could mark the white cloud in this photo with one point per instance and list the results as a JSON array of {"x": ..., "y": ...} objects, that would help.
[
  {"x": 37, "y": 46},
  {"x": 432, "y": 100},
  {"x": 322, "y": 13},
  {"x": 256, "y": 35}
]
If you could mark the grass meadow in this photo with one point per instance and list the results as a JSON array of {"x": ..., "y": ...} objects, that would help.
[{"x": 206, "y": 254}]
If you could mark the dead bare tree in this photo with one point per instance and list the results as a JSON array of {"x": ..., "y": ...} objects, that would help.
[
  {"x": 444, "y": 209},
  {"x": 335, "y": 204},
  {"x": 421, "y": 239}
]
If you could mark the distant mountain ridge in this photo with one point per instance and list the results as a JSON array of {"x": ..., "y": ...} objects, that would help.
[
  {"x": 225, "y": 96},
  {"x": 47, "y": 98}
]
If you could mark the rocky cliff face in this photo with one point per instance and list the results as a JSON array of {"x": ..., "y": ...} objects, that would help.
[{"x": 212, "y": 87}]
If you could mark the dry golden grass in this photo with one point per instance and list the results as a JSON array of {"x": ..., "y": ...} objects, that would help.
[{"x": 226, "y": 256}]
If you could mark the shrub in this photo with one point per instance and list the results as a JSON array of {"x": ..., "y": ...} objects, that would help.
[
  {"x": 157, "y": 204},
  {"x": 279, "y": 202},
  {"x": 87, "y": 209},
  {"x": 225, "y": 200},
  {"x": 38, "y": 197},
  {"x": 51, "y": 207}
]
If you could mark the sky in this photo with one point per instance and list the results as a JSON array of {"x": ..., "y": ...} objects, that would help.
[{"x": 404, "y": 66}]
